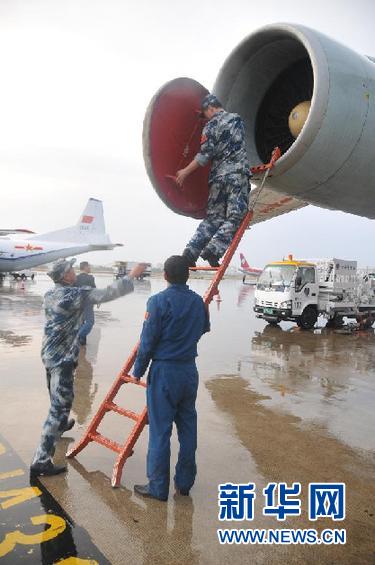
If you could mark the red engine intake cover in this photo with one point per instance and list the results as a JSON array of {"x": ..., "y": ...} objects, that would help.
[{"x": 172, "y": 130}]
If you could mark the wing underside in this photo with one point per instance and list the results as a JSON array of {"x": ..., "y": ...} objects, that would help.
[{"x": 269, "y": 204}]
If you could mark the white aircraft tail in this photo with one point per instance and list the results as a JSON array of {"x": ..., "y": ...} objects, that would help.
[{"x": 89, "y": 230}]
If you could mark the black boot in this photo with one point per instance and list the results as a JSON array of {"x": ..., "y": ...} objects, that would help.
[
  {"x": 189, "y": 257},
  {"x": 144, "y": 490},
  {"x": 213, "y": 260},
  {"x": 46, "y": 469}
]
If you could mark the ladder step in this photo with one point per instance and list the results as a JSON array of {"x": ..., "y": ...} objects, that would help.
[
  {"x": 96, "y": 436},
  {"x": 122, "y": 411}
]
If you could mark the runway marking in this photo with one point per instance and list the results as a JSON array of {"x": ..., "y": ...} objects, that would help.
[
  {"x": 18, "y": 496},
  {"x": 57, "y": 526},
  {"x": 77, "y": 561},
  {"x": 10, "y": 474},
  {"x": 34, "y": 528}
]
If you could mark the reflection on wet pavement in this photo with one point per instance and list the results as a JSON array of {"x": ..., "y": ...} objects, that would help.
[
  {"x": 85, "y": 386},
  {"x": 10, "y": 338},
  {"x": 159, "y": 533},
  {"x": 34, "y": 528},
  {"x": 320, "y": 376},
  {"x": 20, "y": 307},
  {"x": 286, "y": 451}
]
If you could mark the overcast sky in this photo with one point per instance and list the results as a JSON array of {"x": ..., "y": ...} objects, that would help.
[{"x": 76, "y": 77}]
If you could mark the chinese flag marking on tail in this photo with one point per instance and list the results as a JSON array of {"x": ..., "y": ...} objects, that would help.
[{"x": 87, "y": 219}]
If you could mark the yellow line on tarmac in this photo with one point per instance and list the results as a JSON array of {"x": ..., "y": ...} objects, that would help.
[{"x": 11, "y": 474}]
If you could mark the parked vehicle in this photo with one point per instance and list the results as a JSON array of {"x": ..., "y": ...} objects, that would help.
[
  {"x": 122, "y": 268},
  {"x": 300, "y": 291},
  {"x": 23, "y": 275}
]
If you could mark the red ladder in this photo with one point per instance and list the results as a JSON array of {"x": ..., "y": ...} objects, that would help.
[{"x": 108, "y": 404}]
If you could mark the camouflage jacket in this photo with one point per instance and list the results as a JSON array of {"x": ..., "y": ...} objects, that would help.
[
  {"x": 63, "y": 307},
  {"x": 223, "y": 143}
]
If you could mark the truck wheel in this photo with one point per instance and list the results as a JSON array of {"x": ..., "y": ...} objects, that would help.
[
  {"x": 307, "y": 319},
  {"x": 335, "y": 322}
]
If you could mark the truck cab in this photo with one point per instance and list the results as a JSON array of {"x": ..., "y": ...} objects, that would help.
[{"x": 288, "y": 290}]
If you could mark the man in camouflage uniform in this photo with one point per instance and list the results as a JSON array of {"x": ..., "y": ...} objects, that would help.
[
  {"x": 222, "y": 144},
  {"x": 64, "y": 305}
]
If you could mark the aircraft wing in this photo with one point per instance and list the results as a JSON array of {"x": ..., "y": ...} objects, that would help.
[
  {"x": 269, "y": 204},
  {"x": 12, "y": 231}
]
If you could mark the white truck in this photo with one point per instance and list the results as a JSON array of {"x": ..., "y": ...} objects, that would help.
[
  {"x": 300, "y": 291},
  {"x": 122, "y": 268}
]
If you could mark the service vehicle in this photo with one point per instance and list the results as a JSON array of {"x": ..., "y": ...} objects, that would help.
[
  {"x": 302, "y": 290},
  {"x": 122, "y": 268}
]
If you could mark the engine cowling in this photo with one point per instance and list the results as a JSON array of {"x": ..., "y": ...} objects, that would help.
[{"x": 331, "y": 161}]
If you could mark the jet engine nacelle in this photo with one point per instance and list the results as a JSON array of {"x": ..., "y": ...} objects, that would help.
[{"x": 331, "y": 161}]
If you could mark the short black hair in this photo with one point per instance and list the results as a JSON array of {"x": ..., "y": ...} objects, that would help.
[
  {"x": 176, "y": 269},
  {"x": 83, "y": 264}
]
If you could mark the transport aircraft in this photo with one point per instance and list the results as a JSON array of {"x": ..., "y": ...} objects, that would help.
[{"x": 23, "y": 249}]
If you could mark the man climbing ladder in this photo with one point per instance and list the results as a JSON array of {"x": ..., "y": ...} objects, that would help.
[{"x": 223, "y": 146}]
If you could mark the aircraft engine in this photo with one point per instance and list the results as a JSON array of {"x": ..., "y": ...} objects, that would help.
[{"x": 314, "y": 98}]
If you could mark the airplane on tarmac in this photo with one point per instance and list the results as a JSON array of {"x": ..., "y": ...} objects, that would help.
[
  {"x": 22, "y": 249},
  {"x": 247, "y": 270}
]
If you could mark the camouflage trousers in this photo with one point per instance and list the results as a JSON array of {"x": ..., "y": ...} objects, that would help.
[
  {"x": 227, "y": 206},
  {"x": 60, "y": 382}
]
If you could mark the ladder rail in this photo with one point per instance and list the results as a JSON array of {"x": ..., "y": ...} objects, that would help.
[
  {"x": 118, "y": 382},
  {"x": 127, "y": 450},
  {"x": 210, "y": 293},
  {"x": 123, "y": 375},
  {"x": 213, "y": 287},
  {"x": 141, "y": 420}
]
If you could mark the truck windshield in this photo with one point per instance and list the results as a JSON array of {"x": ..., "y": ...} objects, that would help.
[{"x": 276, "y": 277}]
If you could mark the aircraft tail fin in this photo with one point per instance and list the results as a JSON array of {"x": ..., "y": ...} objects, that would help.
[
  {"x": 90, "y": 228},
  {"x": 244, "y": 263}
]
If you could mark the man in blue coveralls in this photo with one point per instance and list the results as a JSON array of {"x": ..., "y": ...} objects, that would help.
[
  {"x": 86, "y": 279},
  {"x": 223, "y": 145},
  {"x": 175, "y": 320}
]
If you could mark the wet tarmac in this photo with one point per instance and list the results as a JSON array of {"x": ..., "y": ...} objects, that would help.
[{"x": 275, "y": 405}]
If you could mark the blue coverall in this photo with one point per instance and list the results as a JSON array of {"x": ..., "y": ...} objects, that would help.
[
  {"x": 176, "y": 318},
  {"x": 87, "y": 281}
]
